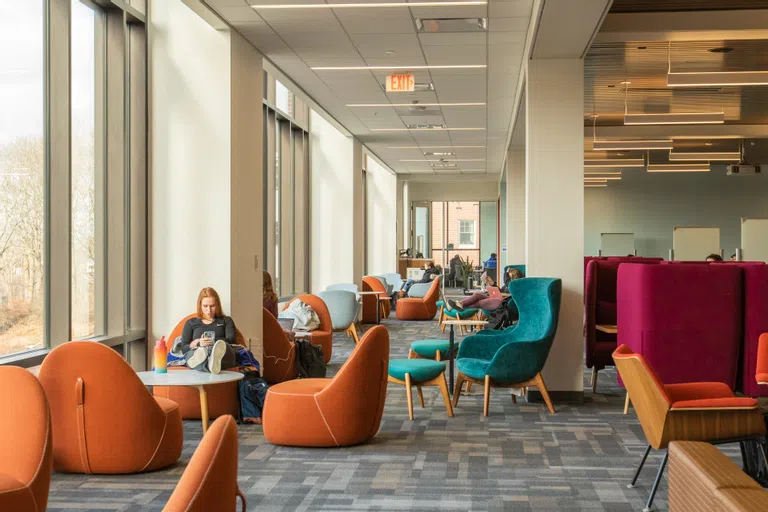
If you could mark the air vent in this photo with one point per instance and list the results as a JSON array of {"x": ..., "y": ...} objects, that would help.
[
  {"x": 425, "y": 126},
  {"x": 444, "y": 25},
  {"x": 440, "y": 153},
  {"x": 445, "y": 166}
]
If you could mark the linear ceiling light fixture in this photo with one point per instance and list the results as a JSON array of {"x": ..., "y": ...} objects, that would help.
[
  {"x": 447, "y": 160},
  {"x": 718, "y": 156},
  {"x": 630, "y": 145},
  {"x": 395, "y": 68},
  {"x": 601, "y": 178},
  {"x": 717, "y": 79},
  {"x": 402, "y": 105},
  {"x": 436, "y": 129},
  {"x": 675, "y": 118},
  {"x": 602, "y": 173},
  {"x": 369, "y": 5},
  {"x": 436, "y": 147},
  {"x": 678, "y": 168},
  {"x": 615, "y": 162},
  {"x": 595, "y": 185}
]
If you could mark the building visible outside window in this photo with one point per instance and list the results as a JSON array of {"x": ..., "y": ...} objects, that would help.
[
  {"x": 22, "y": 171},
  {"x": 84, "y": 245},
  {"x": 466, "y": 233},
  {"x": 283, "y": 98}
]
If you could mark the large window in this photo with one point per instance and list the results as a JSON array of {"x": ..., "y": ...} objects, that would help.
[
  {"x": 22, "y": 171},
  {"x": 466, "y": 233},
  {"x": 87, "y": 80}
]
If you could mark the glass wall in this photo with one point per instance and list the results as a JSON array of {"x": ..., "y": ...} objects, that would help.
[
  {"x": 22, "y": 177},
  {"x": 456, "y": 230},
  {"x": 63, "y": 132}
]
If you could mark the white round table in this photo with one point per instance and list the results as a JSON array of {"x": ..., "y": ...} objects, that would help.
[{"x": 193, "y": 379}]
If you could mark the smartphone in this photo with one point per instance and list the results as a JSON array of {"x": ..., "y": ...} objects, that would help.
[{"x": 208, "y": 335}]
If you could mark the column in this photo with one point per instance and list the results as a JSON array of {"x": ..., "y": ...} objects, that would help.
[
  {"x": 516, "y": 205},
  {"x": 554, "y": 152}
]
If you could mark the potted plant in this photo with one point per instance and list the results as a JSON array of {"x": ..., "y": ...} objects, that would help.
[{"x": 467, "y": 266}]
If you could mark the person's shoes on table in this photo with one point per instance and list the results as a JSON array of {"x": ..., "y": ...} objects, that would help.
[
  {"x": 198, "y": 357},
  {"x": 446, "y": 302},
  {"x": 455, "y": 305},
  {"x": 217, "y": 354}
]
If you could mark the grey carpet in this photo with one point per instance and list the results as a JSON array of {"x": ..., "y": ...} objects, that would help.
[{"x": 520, "y": 458}]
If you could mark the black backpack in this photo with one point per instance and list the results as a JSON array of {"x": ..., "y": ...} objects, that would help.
[
  {"x": 504, "y": 316},
  {"x": 310, "y": 363},
  {"x": 252, "y": 391}
]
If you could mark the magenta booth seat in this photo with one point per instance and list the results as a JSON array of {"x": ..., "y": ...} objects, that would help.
[
  {"x": 685, "y": 319},
  {"x": 755, "y": 323}
]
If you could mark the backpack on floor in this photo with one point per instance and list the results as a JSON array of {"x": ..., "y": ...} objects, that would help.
[
  {"x": 252, "y": 391},
  {"x": 310, "y": 363},
  {"x": 504, "y": 316}
]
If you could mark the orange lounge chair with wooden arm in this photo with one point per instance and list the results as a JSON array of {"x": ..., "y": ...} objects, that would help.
[
  {"x": 696, "y": 411},
  {"x": 374, "y": 284},
  {"x": 323, "y": 335},
  {"x": 420, "y": 309},
  {"x": 26, "y": 444},
  {"x": 210, "y": 480},
  {"x": 341, "y": 411},
  {"x": 279, "y": 352},
  {"x": 104, "y": 420},
  {"x": 761, "y": 375},
  {"x": 222, "y": 398}
]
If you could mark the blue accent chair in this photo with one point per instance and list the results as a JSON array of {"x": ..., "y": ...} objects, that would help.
[{"x": 514, "y": 357}]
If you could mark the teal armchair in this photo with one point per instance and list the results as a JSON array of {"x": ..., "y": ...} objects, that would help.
[{"x": 514, "y": 357}]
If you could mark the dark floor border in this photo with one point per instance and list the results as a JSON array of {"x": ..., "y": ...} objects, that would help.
[{"x": 570, "y": 397}]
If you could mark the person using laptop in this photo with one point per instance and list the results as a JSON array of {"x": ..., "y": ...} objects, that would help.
[{"x": 208, "y": 340}]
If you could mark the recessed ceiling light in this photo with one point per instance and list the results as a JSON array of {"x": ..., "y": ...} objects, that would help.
[
  {"x": 390, "y": 52},
  {"x": 601, "y": 178},
  {"x": 369, "y": 5},
  {"x": 383, "y": 68},
  {"x": 613, "y": 145},
  {"x": 678, "y": 168},
  {"x": 403, "y": 105},
  {"x": 675, "y": 118},
  {"x": 625, "y": 82},
  {"x": 707, "y": 143},
  {"x": 722, "y": 156}
]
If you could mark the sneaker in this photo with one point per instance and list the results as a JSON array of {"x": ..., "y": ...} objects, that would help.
[
  {"x": 455, "y": 305},
  {"x": 217, "y": 354},
  {"x": 446, "y": 302},
  {"x": 197, "y": 358}
]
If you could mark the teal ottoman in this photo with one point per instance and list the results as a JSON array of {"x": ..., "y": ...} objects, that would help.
[
  {"x": 430, "y": 349},
  {"x": 419, "y": 373}
]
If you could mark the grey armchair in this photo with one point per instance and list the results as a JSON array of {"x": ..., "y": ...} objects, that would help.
[
  {"x": 420, "y": 290},
  {"x": 395, "y": 280},
  {"x": 350, "y": 287},
  {"x": 344, "y": 309}
]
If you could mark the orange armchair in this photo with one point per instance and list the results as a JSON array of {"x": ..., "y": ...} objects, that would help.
[
  {"x": 420, "y": 309},
  {"x": 374, "y": 284},
  {"x": 222, "y": 398},
  {"x": 25, "y": 442},
  {"x": 696, "y": 411},
  {"x": 210, "y": 480},
  {"x": 761, "y": 375},
  {"x": 279, "y": 352},
  {"x": 342, "y": 411},
  {"x": 103, "y": 418},
  {"x": 323, "y": 335}
]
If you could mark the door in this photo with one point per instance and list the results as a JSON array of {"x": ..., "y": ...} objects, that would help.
[{"x": 421, "y": 242}]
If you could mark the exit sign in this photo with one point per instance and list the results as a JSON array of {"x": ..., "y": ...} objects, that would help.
[{"x": 400, "y": 83}]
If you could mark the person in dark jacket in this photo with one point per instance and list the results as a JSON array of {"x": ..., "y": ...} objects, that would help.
[
  {"x": 431, "y": 271},
  {"x": 209, "y": 340}
]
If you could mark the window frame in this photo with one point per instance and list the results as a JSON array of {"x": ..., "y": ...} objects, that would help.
[{"x": 473, "y": 224}]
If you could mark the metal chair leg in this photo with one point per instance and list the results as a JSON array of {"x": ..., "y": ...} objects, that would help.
[
  {"x": 649, "y": 505},
  {"x": 639, "y": 468}
]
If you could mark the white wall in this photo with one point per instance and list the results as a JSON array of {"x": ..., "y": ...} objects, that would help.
[
  {"x": 332, "y": 204},
  {"x": 651, "y": 204},
  {"x": 189, "y": 122},
  {"x": 381, "y": 202}
]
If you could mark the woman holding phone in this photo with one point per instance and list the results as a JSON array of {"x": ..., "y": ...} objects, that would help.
[{"x": 208, "y": 341}]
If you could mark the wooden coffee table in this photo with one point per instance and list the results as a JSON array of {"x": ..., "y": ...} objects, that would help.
[{"x": 192, "y": 379}]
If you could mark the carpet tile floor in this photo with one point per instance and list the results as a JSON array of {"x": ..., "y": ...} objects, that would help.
[{"x": 520, "y": 458}]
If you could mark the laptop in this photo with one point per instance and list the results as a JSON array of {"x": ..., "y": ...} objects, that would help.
[{"x": 286, "y": 323}]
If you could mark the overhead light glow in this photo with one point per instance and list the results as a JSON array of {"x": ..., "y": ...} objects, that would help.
[
  {"x": 447, "y": 160},
  {"x": 630, "y": 145},
  {"x": 675, "y": 118},
  {"x": 437, "y": 129},
  {"x": 678, "y": 168},
  {"x": 717, "y": 79},
  {"x": 436, "y": 147},
  {"x": 601, "y": 178},
  {"x": 401, "y": 105},
  {"x": 720, "y": 156},
  {"x": 595, "y": 185},
  {"x": 394, "y": 68},
  {"x": 368, "y": 5},
  {"x": 614, "y": 162}
]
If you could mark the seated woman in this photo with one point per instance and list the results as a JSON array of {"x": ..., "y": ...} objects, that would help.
[
  {"x": 270, "y": 297},
  {"x": 510, "y": 275},
  {"x": 208, "y": 341},
  {"x": 479, "y": 300}
]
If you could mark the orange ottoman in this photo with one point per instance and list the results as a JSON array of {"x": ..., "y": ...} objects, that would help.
[{"x": 342, "y": 411}]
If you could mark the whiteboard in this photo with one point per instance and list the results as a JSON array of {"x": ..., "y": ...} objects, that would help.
[
  {"x": 694, "y": 243},
  {"x": 617, "y": 244},
  {"x": 754, "y": 239}
]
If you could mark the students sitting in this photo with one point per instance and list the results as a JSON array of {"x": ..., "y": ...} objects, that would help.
[
  {"x": 479, "y": 300},
  {"x": 510, "y": 275},
  {"x": 207, "y": 341},
  {"x": 431, "y": 271}
]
